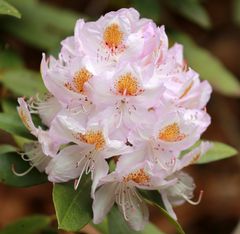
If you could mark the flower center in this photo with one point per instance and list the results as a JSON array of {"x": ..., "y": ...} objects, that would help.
[
  {"x": 139, "y": 177},
  {"x": 113, "y": 36},
  {"x": 79, "y": 79},
  {"x": 127, "y": 85},
  {"x": 171, "y": 133},
  {"x": 94, "y": 138}
]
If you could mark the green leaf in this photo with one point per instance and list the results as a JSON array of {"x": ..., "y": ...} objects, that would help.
[
  {"x": 73, "y": 207},
  {"x": 7, "y": 9},
  {"x": 42, "y": 25},
  {"x": 209, "y": 67},
  {"x": 102, "y": 227},
  {"x": 9, "y": 106},
  {"x": 236, "y": 11},
  {"x": 7, "y": 148},
  {"x": 13, "y": 124},
  {"x": 9, "y": 59},
  {"x": 192, "y": 10},
  {"x": 151, "y": 228},
  {"x": 22, "y": 82},
  {"x": 153, "y": 199},
  {"x": 27, "y": 225},
  {"x": 218, "y": 151},
  {"x": 117, "y": 225},
  {"x": 7, "y": 161},
  {"x": 148, "y": 8}
]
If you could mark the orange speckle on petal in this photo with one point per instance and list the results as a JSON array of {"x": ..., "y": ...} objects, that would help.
[
  {"x": 24, "y": 117},
  {"x": 113, "y": 36},
  {"x": 195, "y": 158},
  {"x": 186, "y": 91},
  {"x": 171, "y": 133},
  {"x": 127, "y": 85},
  {"x": 139, "y": 177},
  {"x": 79, "y": 79},
  {"x": 92, "y": 137}
]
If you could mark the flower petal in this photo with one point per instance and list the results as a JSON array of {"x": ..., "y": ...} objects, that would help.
[{"x": 103, "y": 201}]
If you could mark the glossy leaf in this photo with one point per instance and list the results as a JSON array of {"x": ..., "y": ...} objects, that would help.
[
  {"x": 151, "y": 228},
  {"x": 192, "y": 10},
  {"x": 7, "y": 161},
  {"x": 218, "y": 151},
  {"x": 8, "y": 9},
  {"x": 209, "y": 67},
  {"x": 73, "y": 207},
  {"x": 9, "y": 59},
  {"x": 7, "y": 148},
  {"x": 42, "y": 25},
  {"x": 27, "y": 225},
  {"x": 117, "y": 225},
  {"x": 12, "y": 124},
  {"x": 9, "y": 106},
  {"x": 153, "y": 198},
  {"x": 148, "y": 8},
  {"x": 102, "y": 227},
  {"x": 22, "y": 82}
]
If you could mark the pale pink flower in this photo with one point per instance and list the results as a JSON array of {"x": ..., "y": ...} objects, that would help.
[
  {"x": 121, "y": 188},
  {"x": 118, "y": 90},
  {"x": 125, "y": 95},
  {"x": 93, "y": 147},
  {"x": 117, "y": 36}
]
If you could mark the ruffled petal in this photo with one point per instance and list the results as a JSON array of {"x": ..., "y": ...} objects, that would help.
[
  {"x": 100, "y": 170},
  {"x": 68, "y": 164}
]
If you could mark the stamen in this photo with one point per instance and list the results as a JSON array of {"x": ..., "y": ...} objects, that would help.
[
  {"x": 21, "y": 173},
  {"x": 77, "y": 181},
  {"x": 171, "y": 133},
  {"x": 87, "y": 167},
  {"x": 124, "y": 204},
  {"x": 193, "y": 202},
  {"x": 137, "y": 195}
]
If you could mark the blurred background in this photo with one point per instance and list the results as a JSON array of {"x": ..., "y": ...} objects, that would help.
[{"x": 210, "y": 32}]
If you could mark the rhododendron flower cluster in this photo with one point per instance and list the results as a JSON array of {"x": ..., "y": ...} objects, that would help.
[{"x": 118, "y": 92}]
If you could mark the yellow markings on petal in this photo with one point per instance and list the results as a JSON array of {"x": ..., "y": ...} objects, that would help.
[
  {"x": 171, "y": 133},
  {"x": 79, "y": 79},
  {"x": 195, "y": 158},
  {"x": 113, "y": 36},
  {"x": 25, "y": 118},
  {"x": 186, "y": 91},
  {"x": 139, "y": 177},
  {"x": 127, "y": 85},
  {"x": 92, "y": 137}
]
